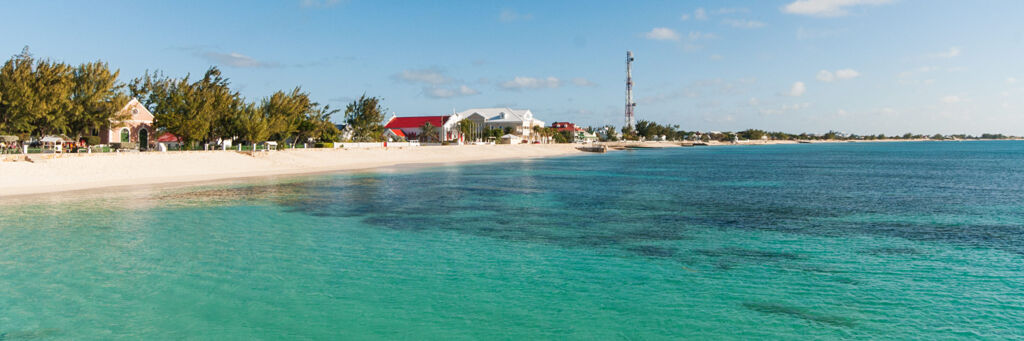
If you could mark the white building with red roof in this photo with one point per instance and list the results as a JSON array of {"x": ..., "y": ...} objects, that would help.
[
  {"x": 516, "y": 121},
  {"x": 410, "y": 127}
]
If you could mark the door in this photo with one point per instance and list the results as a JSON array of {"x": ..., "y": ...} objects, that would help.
[{"x": 143, "y": 139}]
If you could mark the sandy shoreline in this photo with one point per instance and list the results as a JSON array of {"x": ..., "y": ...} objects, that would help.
[
  {"x": 108, "y": 170},
  {"x": 81, "y": 172}
]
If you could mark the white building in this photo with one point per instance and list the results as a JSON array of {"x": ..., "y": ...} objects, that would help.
[{"x": 519, "y": 121}]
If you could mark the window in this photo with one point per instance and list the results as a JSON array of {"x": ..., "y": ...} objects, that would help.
[{"x": 125, "y": 137}]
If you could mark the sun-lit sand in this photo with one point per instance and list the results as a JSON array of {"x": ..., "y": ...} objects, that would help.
[{"x": 93, "y": 171}]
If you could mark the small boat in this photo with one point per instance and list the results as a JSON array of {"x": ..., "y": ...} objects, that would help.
[{"x": 594, "y": 149}]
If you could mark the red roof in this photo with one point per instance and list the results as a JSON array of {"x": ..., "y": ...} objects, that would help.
[
  {"x": 398, "y": 132},
  {"x": 168, "y": 137},
  {"x": 566, "y": 126},
  {"x": 416, "y": 121}
]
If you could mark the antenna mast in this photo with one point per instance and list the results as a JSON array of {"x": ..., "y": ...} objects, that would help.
[{"x": 630, "y": 105}]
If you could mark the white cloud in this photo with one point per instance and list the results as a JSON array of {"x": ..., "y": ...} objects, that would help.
[
  {"x": 798, "y": 89},
  {"x": 847, "y": 74},
  {"x": 580, "y": 81},
  {"x": 684, "y": 17},
  {"x": 462, "y": 90},
  {"x": 519, "y": 83},
  {"x": 826, "y": 76},
  {"x": 715, "y": 57},
  {"x": 429, "y": 76},
  {"x": 508, "y": 15},
  {"x": 700, "y": 14},
  {"x": 1011, "y": 80},
  {"x": 235, "y": 59},
  {"x": 843, "y": 74},
  {"x": 952, "y": 99},
  {"x": 738, "y": 23},
  {"x": 951, "y": 53},
  {"x": 827, "y": 8},
  {"x": 662, "y": 33}
]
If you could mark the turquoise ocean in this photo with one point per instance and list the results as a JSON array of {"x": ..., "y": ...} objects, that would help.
[{"x": 921, "y": 240}]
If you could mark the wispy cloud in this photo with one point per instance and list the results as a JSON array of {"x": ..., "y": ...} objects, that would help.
[
  {"x": 952, "y": 99},
  {"x": 953, "y": 52},
  {"x": 798, "y": 89},
  {"x": 697, "y": 35},
  {"x": 580, "y": 81},
  {"x": 433, "y": 76},
  {"x": 520, "y": 82},
  {"x": 740, "y": 23},
  {"x": 828, "y": 8},
  {"x": 508, "y": 15},
  {"x": 843, "y": 74},
  {"x": 784, "y": 108},
  {"x": 700, "y": 14},
  {"x": 803, "y": 33},
  {"x": 235, "y": 59},
  {"x": 434, "y": 80},
  {"x": 438, "y": 92},
  {"x": 662, "y": 33},
  {"x": 732, "y": 10}
]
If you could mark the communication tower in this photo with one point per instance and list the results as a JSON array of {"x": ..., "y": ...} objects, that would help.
[{"x": 630, "y": 105}]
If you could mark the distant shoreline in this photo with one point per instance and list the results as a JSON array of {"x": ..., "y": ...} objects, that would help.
[{"x": 775, "y": 142}]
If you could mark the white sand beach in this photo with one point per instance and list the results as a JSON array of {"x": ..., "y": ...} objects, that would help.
[{"x": 74, "y": 172}]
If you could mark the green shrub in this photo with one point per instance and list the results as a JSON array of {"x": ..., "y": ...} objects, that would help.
[
  {"x": 445, "y": 143},
  {"x": 325, "y": 145},
  {"x": 92, "y": 140}
]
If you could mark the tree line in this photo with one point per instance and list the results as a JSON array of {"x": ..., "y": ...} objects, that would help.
[
  {"x": 649, "y": 130},
  {"x": 40, "y": 97}
]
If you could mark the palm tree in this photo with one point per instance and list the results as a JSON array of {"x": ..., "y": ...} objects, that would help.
[
  {"x": 538, "y": 130},
  {"x": 468, "y": 129},
  {"x": 428, "y": 132}
]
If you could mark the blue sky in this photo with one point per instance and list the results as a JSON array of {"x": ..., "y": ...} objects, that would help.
[{"x": 859, "y": 66}]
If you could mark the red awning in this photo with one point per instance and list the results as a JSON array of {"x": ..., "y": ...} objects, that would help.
[
  {"x": 168, "y": 137},
  {"x": 398, "y": 132}
]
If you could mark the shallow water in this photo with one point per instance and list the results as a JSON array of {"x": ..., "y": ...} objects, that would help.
[{"x": 896, "y": 240}]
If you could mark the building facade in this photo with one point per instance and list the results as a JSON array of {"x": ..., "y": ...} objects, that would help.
[{"x": 137, "y": 128}]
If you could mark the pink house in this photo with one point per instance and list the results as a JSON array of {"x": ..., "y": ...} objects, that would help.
[{"x": 137, "y": 128}]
